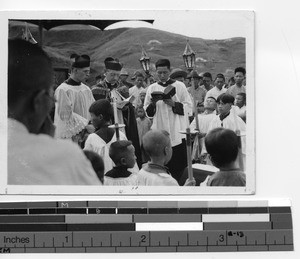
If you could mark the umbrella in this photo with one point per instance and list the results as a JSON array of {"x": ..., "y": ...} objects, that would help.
[{"x": 49, "y": 24}]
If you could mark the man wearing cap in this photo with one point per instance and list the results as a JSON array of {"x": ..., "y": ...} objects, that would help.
[
  {"x": 178, "y": 74},
  {"x": 123, "y": 78},
  {"x": 219, "y": 87},
  {"x": 73, "y": 101},
  {"x": 110, "y": 89},
  {"x": 170, "y": 113},
  {"x": 197, "y": 92}
]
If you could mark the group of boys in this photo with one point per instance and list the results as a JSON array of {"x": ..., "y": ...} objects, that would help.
[{"x": 57, "y": 161}]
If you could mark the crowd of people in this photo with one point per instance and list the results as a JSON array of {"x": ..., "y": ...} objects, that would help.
[{"x": 118, "y": 132}]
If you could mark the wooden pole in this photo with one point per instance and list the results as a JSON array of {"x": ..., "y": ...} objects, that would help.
[
  {"x": 188, "y": 149},
  {"x": 116, "y": 125},
  {"x": 189, "y": 153},
  {"x": 196, "y": 115}
]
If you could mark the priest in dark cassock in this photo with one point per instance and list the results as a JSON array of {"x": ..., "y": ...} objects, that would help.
[
  {"x": 73, "y": 101},
  {"x": 170, "y": 111},
  {"x": 110, "y": 89}
]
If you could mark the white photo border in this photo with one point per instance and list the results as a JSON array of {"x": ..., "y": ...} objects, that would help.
[{"x": 246, "y": 19}]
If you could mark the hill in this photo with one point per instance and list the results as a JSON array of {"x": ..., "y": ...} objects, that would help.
[{"x": 215, "y": 56}]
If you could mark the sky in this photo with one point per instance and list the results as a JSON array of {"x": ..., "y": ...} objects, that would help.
[
  {"x": 203, "y": 24},
  {"x": 199, "y": 24}
]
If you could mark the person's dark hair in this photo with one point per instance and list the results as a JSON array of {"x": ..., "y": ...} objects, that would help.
[
  {"x": 29, "y": 70},
  {"x": 220, "y": 76},
  {"x": 138, "y": 74},
  {"x": 207, "y": 74},
  {"x": 163, "y": 63},
  {"x": 225, "y": 98},
  {"x": 118, "y": 150},
  {"x": 231, "y": 79},
  {"x": 97, "y": 163},
  {"x": 102, "y": 107},
  {"x": 240, "y": 69},
  {"x": 222, "y": 145},
  {"x": 243, "y": 95}
]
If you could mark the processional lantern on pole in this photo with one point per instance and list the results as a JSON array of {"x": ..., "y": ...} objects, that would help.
[
  {"x": 189, "y": 57},
  {"x": 189, "y": 62},
  {"x": 145, "y": 63}
]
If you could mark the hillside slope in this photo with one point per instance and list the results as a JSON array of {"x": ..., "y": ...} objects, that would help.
[{"x": 215, "y": 56}]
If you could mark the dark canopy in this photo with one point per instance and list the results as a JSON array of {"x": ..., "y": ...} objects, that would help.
[{"x": 101, "y": 24}]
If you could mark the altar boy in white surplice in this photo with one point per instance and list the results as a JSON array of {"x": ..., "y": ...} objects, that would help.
[
  {"x": 228, "y": 119},
  {"x": 73, "y": 101}
]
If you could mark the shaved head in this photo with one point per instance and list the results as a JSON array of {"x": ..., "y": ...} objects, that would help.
[{"x": 155, "y": 141}]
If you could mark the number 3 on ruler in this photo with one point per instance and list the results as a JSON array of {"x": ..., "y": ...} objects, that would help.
[{"x": 221, "y": 238}]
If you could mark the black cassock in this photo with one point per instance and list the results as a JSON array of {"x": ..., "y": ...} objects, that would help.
[{"x": 101, "y": 91}]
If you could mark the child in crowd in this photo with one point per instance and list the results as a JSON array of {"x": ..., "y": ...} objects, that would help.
[
  {"x": 123, "y": 154},
  {"x": 97, "y": 163},
  {"x": 101, "y": 113},
  {"x": 157, "y": 145},
  {"x": 142, "y": 96},
  {"x": 240, "y": 105},
  {"x": 222, "y": 145},
  {"x": 143, "y": 126},
  {"x": 137, "y": 88}
]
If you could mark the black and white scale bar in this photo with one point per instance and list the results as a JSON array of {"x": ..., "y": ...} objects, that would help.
[{"x": 147, "y": 241}]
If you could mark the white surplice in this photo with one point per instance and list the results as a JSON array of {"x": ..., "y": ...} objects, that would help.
[
  {"x": 165, "y": 118},
  {"x": 72, "y": 109}
]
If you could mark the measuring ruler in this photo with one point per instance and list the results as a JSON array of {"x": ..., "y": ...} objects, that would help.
[{"x": 145, "y": 226}]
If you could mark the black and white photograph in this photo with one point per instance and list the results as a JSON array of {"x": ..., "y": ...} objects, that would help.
[{"x": 129, "y": 102}]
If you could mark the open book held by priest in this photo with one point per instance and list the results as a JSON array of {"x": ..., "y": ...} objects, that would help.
[
  {"x": 122, "y": 103},
  {"x": 168, "y": 93}
]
